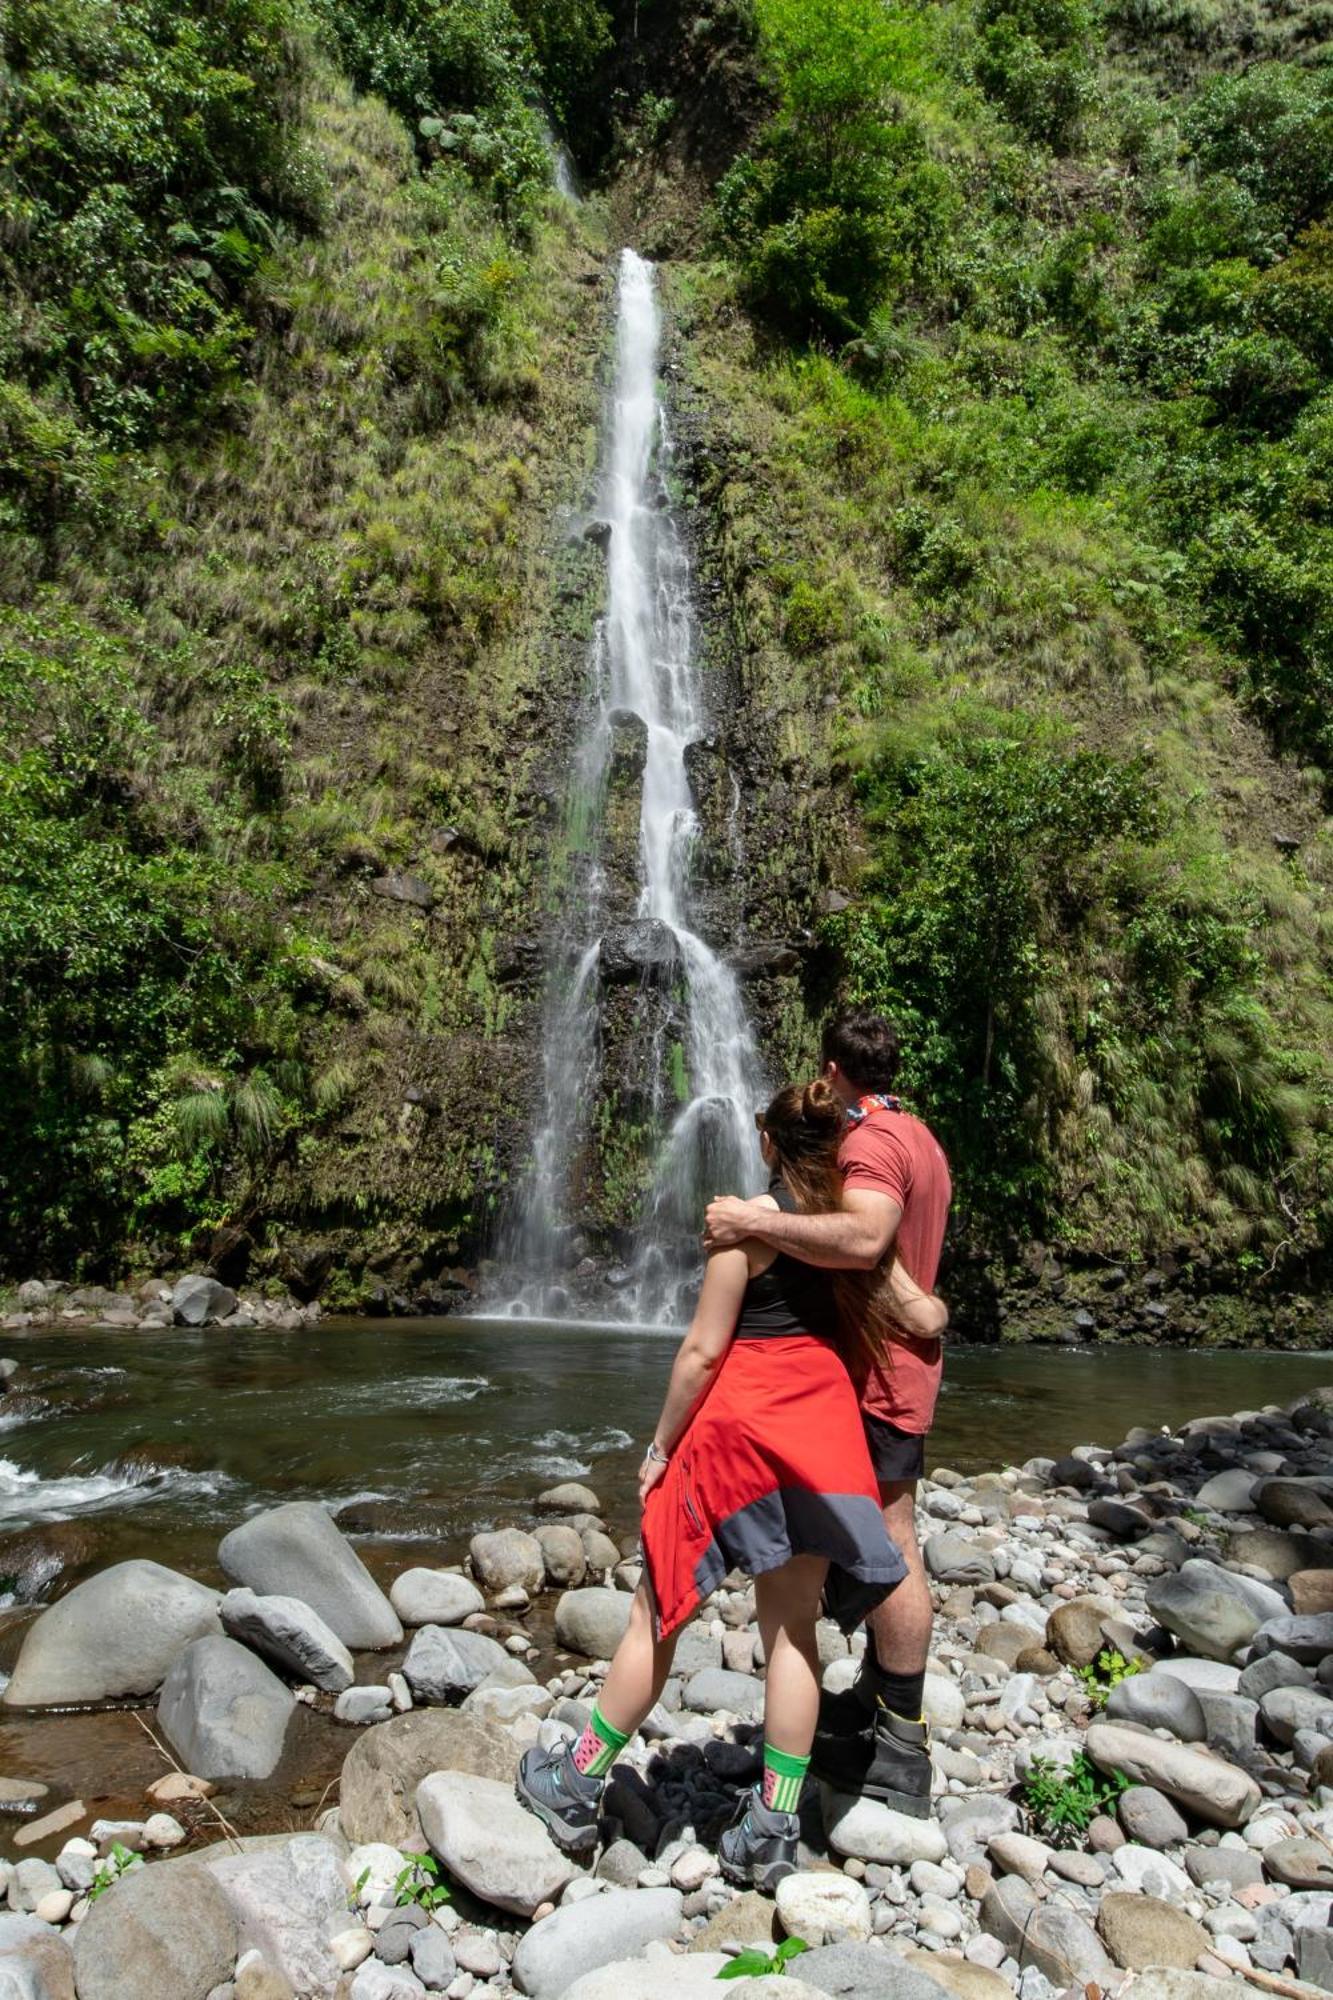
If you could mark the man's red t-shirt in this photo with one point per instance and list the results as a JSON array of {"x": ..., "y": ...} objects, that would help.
[{"x": 892, "y": 1153}]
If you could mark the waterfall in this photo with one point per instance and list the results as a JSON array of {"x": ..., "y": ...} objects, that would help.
[{"x": 646, "y": 695}]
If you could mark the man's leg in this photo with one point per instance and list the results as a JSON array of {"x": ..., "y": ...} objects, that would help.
[{"x": 900, "y": 1627}]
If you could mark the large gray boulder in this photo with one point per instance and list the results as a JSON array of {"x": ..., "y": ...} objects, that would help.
[
  {"x": 1308, "y": 1639},
  {"x": 290, "y": 1899},
  {"x": 506, "y": 1558},
  {"x": 35, "y": 1962},
  {"x": 444, "y": 1665},
  {"x": 1203, "y": 1607},
  {"x": 201, "y": 1301},
  {"x": 490, "y": 1843},
  {"x": 596, "y": 1931},
  {"x": 296, "y": 1551},
  {"x": 224, "y": 1714},
  {"x": 873, "y": 1832},
  {"x": 116, "y": 1634},
  {"x": 291, "y": 1635},
  {"x": 1159, "y": 1701},
  {"x": 381, "y": 1772},
  {"x": 1054, "y": 1939},
  {"x": 592, "y": 1622},
  {"x": 1206, "y": 1786},
  {"x": 166, "y": 1929}
]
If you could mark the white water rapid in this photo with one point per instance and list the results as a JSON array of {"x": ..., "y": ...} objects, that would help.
[{"x": 644, "y": 667}]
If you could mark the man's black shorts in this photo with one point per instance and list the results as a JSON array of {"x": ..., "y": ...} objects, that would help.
[{"x": 894, "y": 1454}]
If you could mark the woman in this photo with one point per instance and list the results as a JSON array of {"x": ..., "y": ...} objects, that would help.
[{"x": 758, "y": 1462}]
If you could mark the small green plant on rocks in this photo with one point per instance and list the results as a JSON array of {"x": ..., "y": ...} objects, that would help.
[
  {"x": 108, "y": 1871},
  {"x": 1105, "y": 1672},
  {"x": 754, "y": 1962},
  {"x": 1063, "y": 1801},
  {"x": 421, "y": 1882}
]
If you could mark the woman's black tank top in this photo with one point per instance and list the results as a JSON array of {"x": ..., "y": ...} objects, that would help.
[{"x": 789, "y": 1297}]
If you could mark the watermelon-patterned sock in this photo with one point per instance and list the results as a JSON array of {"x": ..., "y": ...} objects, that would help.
[
  {"x": 598, "y": 1747},
  {"x": 783, "y": 1777}
]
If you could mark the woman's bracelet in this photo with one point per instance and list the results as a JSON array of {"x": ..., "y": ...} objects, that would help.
[{"x": 658, "y": 1457}]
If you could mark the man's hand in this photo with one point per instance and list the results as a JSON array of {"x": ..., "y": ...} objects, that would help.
[{"x": 729, "y": 1220}]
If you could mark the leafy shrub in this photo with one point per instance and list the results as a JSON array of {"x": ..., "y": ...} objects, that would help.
[
  {"x": 1063, "y": 1802},
  {"x": 1034, "y": 58},
  {"x": 1271, "y": 130}
]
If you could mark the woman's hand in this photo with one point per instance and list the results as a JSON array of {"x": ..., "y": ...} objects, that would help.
[{"x": 650, "y": 1474}]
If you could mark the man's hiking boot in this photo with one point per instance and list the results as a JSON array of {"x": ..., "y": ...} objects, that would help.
[
  {"x": 564, "y": 1800},
  {"x": 758, "y": 1849},
  {"x": 864, "y": 1748}
]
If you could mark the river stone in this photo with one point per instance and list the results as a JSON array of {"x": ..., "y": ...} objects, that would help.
[
  {"x": 1139, "y": 1931},
  {"x": 490, "y": 1843},
  {"x": 1277, "y": 1553},
  {"x": 505, "y": 1559},
  {"x": 1199, "y": 1606},
  {"x": 224, "y": 1714},
  {"x": 715, "y": 1688},
  {"x": 1158, "y": 1701},
  {"x": 116, "y": 1634},
  {"x": 1215, "y": 1791},
  {"x": 382, "y": 1770},
  {"x": 1238, "y": 1867},
  {"x": 869, "y": 1831},
  {"x": 594, "y": 1932},
  {"x": 1213, "y": 1676},
  {"x": 568, "y": 1498},
  {"x": 1288, "y": 1503},
  {"x": 953, "y": 1557},
  {"x": 862, "y": 1972},
  {"x": 1311, "y": 1591},
  {"x": 1149, "y": 1873},
  {"x": 592, "y": 1622},
  {"x": 162, "y": 1930},
  {"x": 1227, "y": 1492},
  {"x": 444, "y": 1664},
  {"x": 201, "y": 1301},
  {"x": 1149, "y": 1817},
  {"x": 1053, "y": 1938},
  {"x": 667, "y": 1978},
  {"x": 1163, "y": 1982},
  {"x": 296, "y": 1551},
  {"x": 1308, "y": 1639},
  {"x": 599, "y": 1551},
  {"x": 563, "y": 1555},
  {"x": 291, "y": 1635},
  {"x": 641, "y": 949},
  {"x": 823, "y": 1908},
  {"x": 290, "y": 1901},
  {"x": 435, "y": 1597},
  {"x": 1272, "y": 1670},
  {"x": 1074, "y": 1631},
  {"x": 750, "y": 1919},
  {"x": 1300, "y": 1862},
  {"x": 1125, "y": 1523},
  {"x": 1288, "y": 1709},
  {"x": 35, "y": 1963}
]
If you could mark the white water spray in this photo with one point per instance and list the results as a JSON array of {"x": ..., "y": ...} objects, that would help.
[{"x": 644, "y": 665}]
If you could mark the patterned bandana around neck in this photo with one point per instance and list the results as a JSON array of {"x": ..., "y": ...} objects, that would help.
[{"x": 872, "y": 1101}]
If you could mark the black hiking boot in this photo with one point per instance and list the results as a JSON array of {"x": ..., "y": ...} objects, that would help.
[
  {"x": 863, "y": 1748},
  {"x": 758, "y": 1849},
  {"x": 564, "y": 1800}
]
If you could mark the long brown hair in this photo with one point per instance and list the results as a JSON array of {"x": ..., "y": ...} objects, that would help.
[{"x": 805, "y": 1124}]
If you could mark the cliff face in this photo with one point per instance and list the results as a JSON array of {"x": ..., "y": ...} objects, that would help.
[{"x": 1005, "y": 512}]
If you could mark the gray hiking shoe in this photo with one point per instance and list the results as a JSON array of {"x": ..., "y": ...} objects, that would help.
[
  {"x": 564, "y": 1800},
  {"x": 758, "y": 1849}
]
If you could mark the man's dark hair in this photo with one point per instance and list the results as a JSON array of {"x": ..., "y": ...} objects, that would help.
[{"x": 864, "y": 1046}]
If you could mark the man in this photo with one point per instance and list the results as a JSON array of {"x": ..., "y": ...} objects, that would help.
[{"x": 874, "y": 1739}]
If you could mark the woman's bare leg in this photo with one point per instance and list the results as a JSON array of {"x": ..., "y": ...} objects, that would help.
[
  {"x": 788, "y": 1605},
  {"x": 638, "y": 1671}
]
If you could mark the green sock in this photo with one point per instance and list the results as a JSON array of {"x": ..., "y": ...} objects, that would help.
[
  {"x": 598, "y": 1747},
  {"x": 783, "y": 1778}
]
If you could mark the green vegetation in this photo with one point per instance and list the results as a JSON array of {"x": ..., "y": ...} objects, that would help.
[
  {"x": 756, "y": 1963},
  {"x": 1107, "y": 1671},
  {"x": 1024, "y": 524},
  {"x": 110, "y": 1869},
  {"x": 421, "y": 1883},
  {"x": 1063, "y": 1800}
]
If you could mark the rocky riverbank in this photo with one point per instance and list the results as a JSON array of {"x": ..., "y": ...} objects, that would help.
[{"x": 1131, "y": 1690}]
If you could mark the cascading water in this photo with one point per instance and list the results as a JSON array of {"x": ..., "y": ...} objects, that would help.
[{"x": 645, "y": 675}]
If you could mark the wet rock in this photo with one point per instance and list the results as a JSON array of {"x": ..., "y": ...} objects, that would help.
[
  {"x": 595, "y": 1932},
  {"x": 1216, "y": 1792},
  {"x": 381, "y": 1773},
  {"x": 444, "y": 1663},
  {"x": 490, "y": 1843},
  {"x": 563, "y": 1555},
  {"x": 223, "y": 1712},
  {"x": 507, "y": 1557},
  {"x": 35, "y": 1964},
  {"x": 1054, "y": 1939},
  {"x": 115, "y": 1634},
  {"x": 568, "y": 1498},
  {"x": 296, "y": 1551},
  {"x": 289, "y": 1634},
  {"x": 435, "y": 1597},
  {"x": 1158, "y": 1701},
  {"x": 642, "y": 949},
  {"x": 34, "y": 1558},
  {"x": 290, "y": 1900},
  {"x": 592, "y": 1622},
  {"x": 201, "y": 1302},
  {"x": 1140, "y": 1931},
  {"x": 161, "y": 1930}
]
